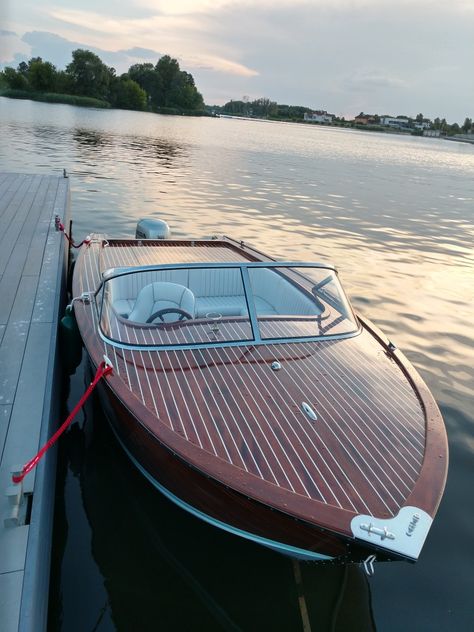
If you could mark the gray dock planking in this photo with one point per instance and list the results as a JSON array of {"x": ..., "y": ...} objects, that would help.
[{"x": 32, "y": 292}]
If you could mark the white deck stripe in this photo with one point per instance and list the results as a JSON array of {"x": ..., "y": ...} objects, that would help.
[
  {"x": 351, "y": 430},
  {"x": 321, "y": 396},
  {"x": 382, "y": 422}
]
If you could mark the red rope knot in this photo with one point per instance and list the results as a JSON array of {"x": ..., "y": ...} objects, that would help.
[
  {"x": 60, "y": 226},
  {"x": 104, "y": 369}
]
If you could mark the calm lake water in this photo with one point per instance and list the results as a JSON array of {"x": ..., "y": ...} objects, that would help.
[{"x": 396, "y": 215}]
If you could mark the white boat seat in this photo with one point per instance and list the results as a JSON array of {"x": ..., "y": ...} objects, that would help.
[
  {"x": 231, "y": 306},
  {"x": 224, "y": 305},
  {"x": 162, "y": 295},
  {"x": 123, "y": 306}
]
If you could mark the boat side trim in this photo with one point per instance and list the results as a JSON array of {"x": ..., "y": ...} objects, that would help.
[{"x": 280, "y": 547}]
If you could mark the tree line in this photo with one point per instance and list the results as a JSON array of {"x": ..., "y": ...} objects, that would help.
[
  {"x": 262, "y": 108},
  {"x": 268, "y": 109},
  {"x": 156, "y": 87}
]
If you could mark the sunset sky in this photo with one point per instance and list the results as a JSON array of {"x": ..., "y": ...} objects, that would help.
[{"x": 344, "y": 56}]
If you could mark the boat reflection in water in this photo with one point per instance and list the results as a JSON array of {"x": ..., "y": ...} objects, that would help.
[{"x": 158, "y": 567}]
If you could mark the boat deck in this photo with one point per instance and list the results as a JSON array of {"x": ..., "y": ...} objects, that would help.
[
  {"x": 120, "y": 253},
  {"x": 364, "y": 453},
  {"x": 32, "y": 273}
]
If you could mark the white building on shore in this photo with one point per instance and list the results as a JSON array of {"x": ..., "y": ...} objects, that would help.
[
  {"x": 319, "y": 116},
  {"x": 423, "y": 125},
  {"x": 390, "y": 121}
]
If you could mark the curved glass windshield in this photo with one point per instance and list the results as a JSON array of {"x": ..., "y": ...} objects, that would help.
[
  {"x": 293, "y": 302},
  {"x": 212, "y": 305}
]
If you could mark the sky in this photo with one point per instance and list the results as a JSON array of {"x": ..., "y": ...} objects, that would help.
[{"x": 343, "y": 56}]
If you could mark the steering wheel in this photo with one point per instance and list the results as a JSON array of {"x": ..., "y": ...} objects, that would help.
[{"x": 169, "y": 310}]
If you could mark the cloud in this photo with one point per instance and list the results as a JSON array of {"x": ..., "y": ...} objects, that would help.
[
  {"x": 59, "y": 49},
  {"x": 12, "y": 48},
  {"x": 370, "y": 81},
  {"x": 146, "y": 29},
  {"x": 219, "y": 64},
  {"x": 143, "y": 53}
]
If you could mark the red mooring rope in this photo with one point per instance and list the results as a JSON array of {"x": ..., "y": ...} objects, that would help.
[
  {"x": 60, "y": 226},
  {"x": 102, "y": 370}
]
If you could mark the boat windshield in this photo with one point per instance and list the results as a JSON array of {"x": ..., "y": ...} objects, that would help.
[{"x": 217, "y": 304}]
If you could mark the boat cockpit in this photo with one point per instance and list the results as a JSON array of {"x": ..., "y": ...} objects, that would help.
[{"x": 226, "y": 303}]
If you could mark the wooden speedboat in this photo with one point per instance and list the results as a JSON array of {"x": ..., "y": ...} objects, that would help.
[{"x": 249, "y": 393}]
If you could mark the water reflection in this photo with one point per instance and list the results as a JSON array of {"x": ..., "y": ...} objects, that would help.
[{"x": 90, "y": 139}]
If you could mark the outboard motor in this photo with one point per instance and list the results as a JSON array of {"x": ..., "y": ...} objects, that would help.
[{"x": 151, "y": 228}]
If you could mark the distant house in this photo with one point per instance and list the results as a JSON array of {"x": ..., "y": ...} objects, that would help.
[
  {"x": 397, "y": 123},
  {"x": 365, "y": 119},
  {"x": 423, "y": 125},
  {"x": 319, "y": 116}
]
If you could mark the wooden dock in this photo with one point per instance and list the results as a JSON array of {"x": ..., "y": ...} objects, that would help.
[{"x": 32, "y": 293}]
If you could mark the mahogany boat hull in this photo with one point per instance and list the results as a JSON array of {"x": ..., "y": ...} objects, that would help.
[{"x": 226, "y": 437}]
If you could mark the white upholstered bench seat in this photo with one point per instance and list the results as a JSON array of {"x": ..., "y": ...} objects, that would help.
[
  {"x": 230, "y": 306},
  {"x": 221, "y": 291}
]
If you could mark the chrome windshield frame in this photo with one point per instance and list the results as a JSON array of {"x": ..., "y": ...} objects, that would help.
[{"x": 112, "y": 273}]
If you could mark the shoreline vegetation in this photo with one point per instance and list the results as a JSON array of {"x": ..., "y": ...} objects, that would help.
[
  {"x": 163, "y": 88},
  {"x": 264, "y": 109}
]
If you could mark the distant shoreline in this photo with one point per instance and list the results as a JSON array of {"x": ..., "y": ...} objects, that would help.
[
  {"x": 461, "y": 138},
  {"x": 342, "y": 126},
  {"x": 90, "y": 102}
]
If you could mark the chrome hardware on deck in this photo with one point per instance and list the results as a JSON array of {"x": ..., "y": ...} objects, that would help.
[
  {"x": 108, "y": 361},
  {"x": 85, "y": 297},
  {"x": 404, "y": 533},
  {"x": 308, "y": 411},
  {"x": 383, "y": 533},
  {"x": 368, "y": 565},
  {"x": 276, "y": 366},
  {"x": 17, "y": 503}
]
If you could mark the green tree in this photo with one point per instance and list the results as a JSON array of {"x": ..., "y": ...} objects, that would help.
[
  {"x": 23, "y": 67},
  {"x": 419, "y": 118},
  {"x": 174, "y": 87},
  {"x": 14, "y": 79},
  {"x": 183, "y": 93},
  {"x": 127, "y": 94},
  {"x": 235, "y": 107},
  {"x": 264, "y": 107},
  {"x": 167, "y": 69},
  {"x": 90, "y": 76},
  {"x": 148, "y": 79},
  {"x": 467, "y": 125},
  {"x": 64, "y": 82},
  {"x": 42, "y": 75}
]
